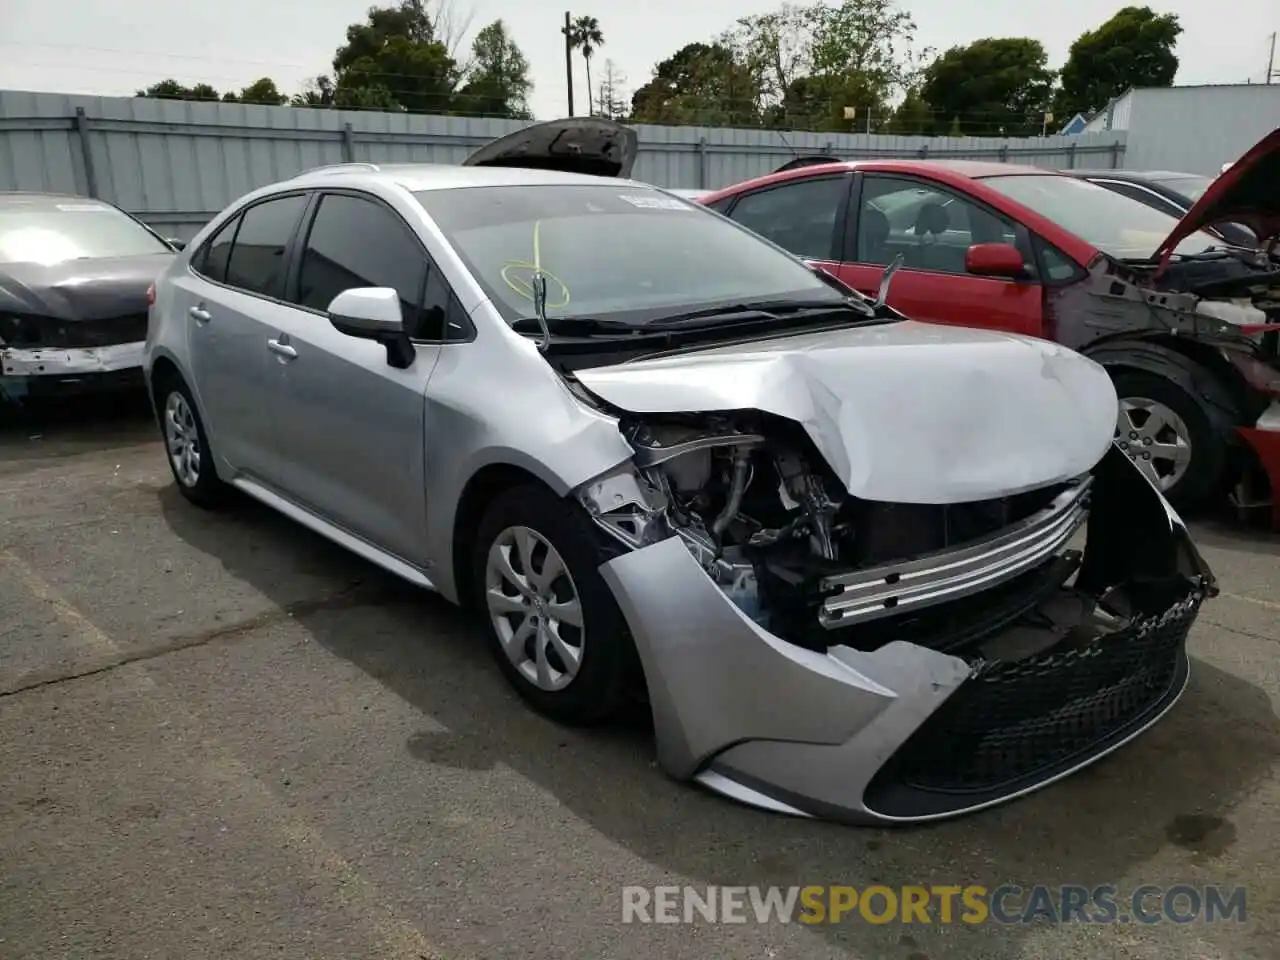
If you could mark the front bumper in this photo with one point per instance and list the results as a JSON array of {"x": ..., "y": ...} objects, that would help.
[
  {"x": 905, "y": 733},
  {"x": 33, "y": 371}
]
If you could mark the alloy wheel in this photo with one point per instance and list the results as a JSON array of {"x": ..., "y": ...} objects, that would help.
[
  {"x": 1155, "y": 438},
  {"x": 182, "y": 439},
  {"x": 535, "y": 609}
]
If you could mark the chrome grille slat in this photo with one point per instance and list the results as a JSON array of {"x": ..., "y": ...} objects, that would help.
[{"x": 949, "y": 575}]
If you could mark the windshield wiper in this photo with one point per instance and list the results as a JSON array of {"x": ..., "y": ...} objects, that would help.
[
  {"x": 577, "y": 326},
  {"x": 1208, "y": 253},
  {"x": 757, "y": 312}
]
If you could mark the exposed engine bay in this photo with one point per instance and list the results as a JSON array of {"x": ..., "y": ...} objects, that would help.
[
  {"x": 1223, "y": 301},
  {"x": 771, "y": 525}
]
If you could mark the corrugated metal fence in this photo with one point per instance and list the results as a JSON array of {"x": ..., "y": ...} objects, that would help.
[{"x": 176, "y": 164}]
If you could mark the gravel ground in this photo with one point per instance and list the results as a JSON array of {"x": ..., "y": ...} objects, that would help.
[{"x": 221, "y": 736}]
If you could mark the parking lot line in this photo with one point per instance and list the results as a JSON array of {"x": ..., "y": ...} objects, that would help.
[
  {"x": 1257, "y": 601},
  {"x": 397, "y": 936}
]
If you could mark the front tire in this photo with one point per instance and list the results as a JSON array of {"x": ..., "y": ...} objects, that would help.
[
  {"x": 552, "y": 622},
  {"x": 1171, "y": 435},
  {"x": 187, "y": 446}
]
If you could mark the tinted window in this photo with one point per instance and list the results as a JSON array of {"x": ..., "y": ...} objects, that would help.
[
  {"x": 257, "y": 258},
  {"x": 610, "y": 249},
  {"x": 1142, "y": 195},
  {"x": 49, "y": 230},
  {"x": 360, "y": 243},
  {"x": 930, "y": 227},
  {"x": 721, "y": 206},
  {"x": 1112, "y": 222},
  {"x": 212, "y": 260},
  {"x": 800, "y": 216}
]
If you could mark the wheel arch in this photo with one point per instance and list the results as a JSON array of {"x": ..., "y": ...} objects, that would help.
[
  {"x": 1194, "y": 366},
  {"x": 163, "y": 370},
  {"x": 484, "y": 486}
]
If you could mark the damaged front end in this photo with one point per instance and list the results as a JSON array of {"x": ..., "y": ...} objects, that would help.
[
  {"x": 825, "y": 655},
  {"x": 1222, "y": 314}
]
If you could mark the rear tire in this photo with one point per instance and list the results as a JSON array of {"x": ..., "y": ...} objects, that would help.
[
  {"x": 187, "y": 446},
  {"x": 553, "y": 625},
  {"x": 1171, "y": 435}
]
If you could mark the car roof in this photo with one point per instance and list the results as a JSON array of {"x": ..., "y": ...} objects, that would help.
[
  {"x": 955, "y": 171},
  {"x": 1137, "y": 175},
  {"x": 416, "y": 177}
]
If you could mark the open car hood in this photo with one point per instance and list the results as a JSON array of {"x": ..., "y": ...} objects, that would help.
[
  {"x": 1247, "y": 192},
  {"x": 903, "y": 412},
  {"x": 602, "y": 148}
]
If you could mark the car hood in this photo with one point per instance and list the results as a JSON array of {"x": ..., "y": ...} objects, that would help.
[
  {"x": 1247, "y": 192},
  {"x": 904, "y": 412},
  {"x": 588, "y": 145},
  {"x": 81, "y": 289}
]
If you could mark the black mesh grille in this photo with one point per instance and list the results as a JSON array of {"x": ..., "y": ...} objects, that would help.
[
  {"x": 1013, "y": 720},
  {"x": 96, "y": 333},
  {"x": 48, "y": 332}
]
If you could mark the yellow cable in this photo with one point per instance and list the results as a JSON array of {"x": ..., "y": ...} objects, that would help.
[{"x": 525, "y": 289}]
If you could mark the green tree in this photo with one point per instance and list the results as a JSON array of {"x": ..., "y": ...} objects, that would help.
[
  {"x": 913, "y": 117},
  {"x": 811, "y": 61},
  {"x": 393, "y": 61},
  {"x": 996, "y": 86},
  {"x": 585, "y": 35},
  {"x": 864, "y": 44},
  {"x": 1132, "y": 49},
  {"x": 497, "y": 82},
  {"x": 173, "y": 90},
  {"x": 701, "y": 84},
  {"x": 263, "y": 90},
  {"x": 777, "y": 47},
  {"x": 318, "y": 92}
]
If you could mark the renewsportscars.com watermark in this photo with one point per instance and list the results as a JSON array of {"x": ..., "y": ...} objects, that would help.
[{"x": 970, "y": 904}]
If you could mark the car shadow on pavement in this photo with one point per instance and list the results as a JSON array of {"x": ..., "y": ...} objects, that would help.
[
  {"x": 48, "y": 429},
  {"x": 1175, "y": 786}
]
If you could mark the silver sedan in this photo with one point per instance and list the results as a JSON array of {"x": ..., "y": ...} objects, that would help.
[{"x": 833, "y": 549}]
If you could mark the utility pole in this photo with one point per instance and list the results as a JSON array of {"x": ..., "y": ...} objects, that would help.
[
  {"x": 567, "y": 30},
  {"x": 1271, "y": 60}
]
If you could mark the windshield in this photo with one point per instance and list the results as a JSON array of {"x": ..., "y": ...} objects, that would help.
[
  {"x": 1189, "y": 186},
  {"x": 1125, "y": 228},
  {"x": 49, "y": 230},
  {"x": 613, "y": 249}
]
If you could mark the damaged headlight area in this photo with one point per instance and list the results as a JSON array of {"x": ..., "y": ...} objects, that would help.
[{"x": 1061, "y": 614}]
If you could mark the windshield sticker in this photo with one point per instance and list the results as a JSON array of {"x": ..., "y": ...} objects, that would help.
[
  {"x": 82, "y": 207},
  {"x": 653, "y": 202}
]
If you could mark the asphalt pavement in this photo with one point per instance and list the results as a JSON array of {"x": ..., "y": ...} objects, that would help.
[{"x": 221, "y": 736}]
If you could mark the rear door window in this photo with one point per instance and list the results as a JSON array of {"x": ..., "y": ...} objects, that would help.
[
  {"x": 211, "y": 260},
  {"x": 257, "y": 260},
  {"x": 799, "y": 216}
]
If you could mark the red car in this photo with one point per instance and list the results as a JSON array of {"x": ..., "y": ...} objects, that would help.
[{"x": 1187, "y": 327}]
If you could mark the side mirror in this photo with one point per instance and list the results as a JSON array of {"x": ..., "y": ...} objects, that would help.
[
  {"x": 177, "y": 244},
  {"x": 373, "y": 313},
  {"x": 994, "y": 260}
]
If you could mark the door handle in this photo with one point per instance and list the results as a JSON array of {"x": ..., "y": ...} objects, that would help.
[
  {"x": 282, "y": 349},
  {"x": 200, "y": 314}
]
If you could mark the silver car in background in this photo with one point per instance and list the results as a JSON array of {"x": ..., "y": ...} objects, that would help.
[{"x": 832, "y": 548}]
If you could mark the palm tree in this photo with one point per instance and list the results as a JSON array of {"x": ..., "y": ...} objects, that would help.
[{"x": 586, "y": 36}]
